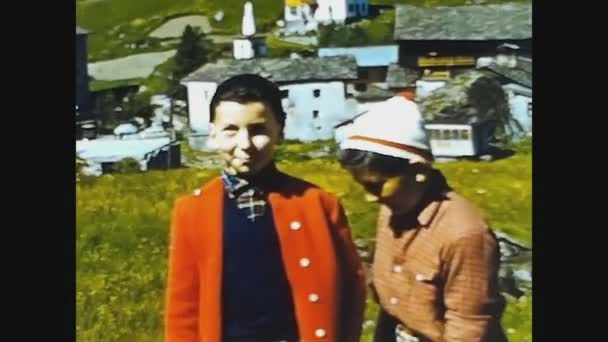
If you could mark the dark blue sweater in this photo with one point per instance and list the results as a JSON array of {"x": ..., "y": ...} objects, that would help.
[{"x": 256, "y": 295}]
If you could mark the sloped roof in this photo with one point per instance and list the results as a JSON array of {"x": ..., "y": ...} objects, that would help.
[
  {"x": 279, "y": 69},
  {"x": 400, "y": 77},
  {"x": 475, "y": 22},
  {"x": 520, "y": 74}
]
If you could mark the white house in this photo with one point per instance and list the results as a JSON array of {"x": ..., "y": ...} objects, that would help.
[
  {"x": 373, "y": 64},
  {"x": 101, "y": 154},
  {"x": 459, "y": 139},
  {"x": 339, "y": 11},
  {"x": 302, "y": 12},
  {"x": 313, "y": 89}
]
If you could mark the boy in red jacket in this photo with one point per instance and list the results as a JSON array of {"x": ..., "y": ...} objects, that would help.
[{"x": 258, "y": 255}]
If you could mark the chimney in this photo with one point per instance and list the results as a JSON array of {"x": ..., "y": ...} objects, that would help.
[
  {"x": 506, "y": 55},
  {"x": 248, "y": 23}
]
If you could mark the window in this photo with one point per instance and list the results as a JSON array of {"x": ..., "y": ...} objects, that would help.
[
  {"x": 445, "y": 134},
  {"x": 360, "y": 87},
  {"x": 284, "y": 94},
  {"x": 315, "y": 114},
  {"x": 351, "y": 8},
  {"x": 293, "y": 10},
  {"x": 455, "y": 134},
  {"x": 464, "y": 134},
  {"x": 362, "y": 9},
  {"x": 530, "y": 109},
  {"x": 316, "y": 93},
  {"x": 435, "y": 134}
]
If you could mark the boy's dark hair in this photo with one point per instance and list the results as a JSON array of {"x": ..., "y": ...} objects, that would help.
[
  {"x": 386, "y": 165},
  {"x": 247, "y": 88}
]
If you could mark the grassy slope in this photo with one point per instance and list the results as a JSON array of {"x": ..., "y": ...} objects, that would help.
[
  {"x": 108, "y": 18},
  {"x": 122, "y": 226}
]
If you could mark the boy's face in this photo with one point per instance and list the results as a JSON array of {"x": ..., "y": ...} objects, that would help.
[{"x": 245, "y": 135}]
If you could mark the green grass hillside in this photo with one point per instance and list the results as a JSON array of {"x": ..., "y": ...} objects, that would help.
[
  {"x": 122, "y": 229},
  {"x": 115, "y": 23}
]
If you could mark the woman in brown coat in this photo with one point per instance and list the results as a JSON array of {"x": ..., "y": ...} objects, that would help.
[{"x": 435, "y": 271}]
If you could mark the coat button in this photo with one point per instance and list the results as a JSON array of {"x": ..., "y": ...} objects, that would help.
[
  {"x": 295, "y": 225},
  {"x": 320, "y": 333},
  {"x": 304, "y": 262},
  {"x": 394, "y": 300},
  {"x": 197, "y": 192},
  {"x": 313, "y": 297},
  {"x": 397, "y": 268}
]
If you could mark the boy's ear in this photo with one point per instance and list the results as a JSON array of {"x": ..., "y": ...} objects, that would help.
[
  {"x": 212, "y": 137},
  {"x": 212, "y": 130}
]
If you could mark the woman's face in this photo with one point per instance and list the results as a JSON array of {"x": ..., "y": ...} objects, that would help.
[{"x": 400, "y": 193}]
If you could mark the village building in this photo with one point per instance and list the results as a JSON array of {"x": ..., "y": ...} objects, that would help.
[
  {"x": 313, "y": 89},
  {"x": 445, "y": 41},
  {"x": 85, "y": 120},
  {"x": 460, "y": 138},
  {"x": 83, "y": 95},
  {"x": 151, "y": 154},
  {"x": 300, "y": 13},
  {"x": 515, "y": 74},
  {"x": 372, "y": 63},
  {"x": 379, "y": 76}
]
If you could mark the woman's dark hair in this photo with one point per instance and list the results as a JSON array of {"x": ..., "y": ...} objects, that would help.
[
  {"x": 247, "y": 88},
  {"x": 387, "y": 165}
]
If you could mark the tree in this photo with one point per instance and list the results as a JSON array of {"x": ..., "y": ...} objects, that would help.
[
  {"x": 138, "y": 105},
  {"x": 191, "y": 54}
]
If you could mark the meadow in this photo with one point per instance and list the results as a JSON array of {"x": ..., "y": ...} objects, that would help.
[{"x": 122, "y": 226}]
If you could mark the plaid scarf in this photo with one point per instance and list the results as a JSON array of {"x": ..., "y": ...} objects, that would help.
[{"x": 249, "y": 198}]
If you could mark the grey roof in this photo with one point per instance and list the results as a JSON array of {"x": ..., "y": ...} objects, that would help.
[
  {"x": 80, "y": 30},
  {"x": 280, "y": 70},
  {"x": 521, "y": 74},
  {"x": 476, "y": 22},
  {"x": 400, "y": 77}
]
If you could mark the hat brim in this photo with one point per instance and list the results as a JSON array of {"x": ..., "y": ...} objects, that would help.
[{"x": 363, "y": 145}]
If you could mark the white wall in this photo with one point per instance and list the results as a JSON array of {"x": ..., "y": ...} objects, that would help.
[
  {"x": 300, "y": 124},
  {"x": 289, "y": 16},
  {"x": 460, "y": 145},
  {"x": 242, "y": 49},
  {"x": 338, "y": 11},
  {"x": 199, "y": 98},
  {"x": 519, "y": 99},
  {"x": 330, "y": 104}
]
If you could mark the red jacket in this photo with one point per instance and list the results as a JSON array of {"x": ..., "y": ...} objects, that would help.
[{"x": 321, "y": 263}]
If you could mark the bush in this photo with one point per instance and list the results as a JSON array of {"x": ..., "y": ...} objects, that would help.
[
  {"x": 127, "y": 165},
  {"x": 366, "y": 32}
]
